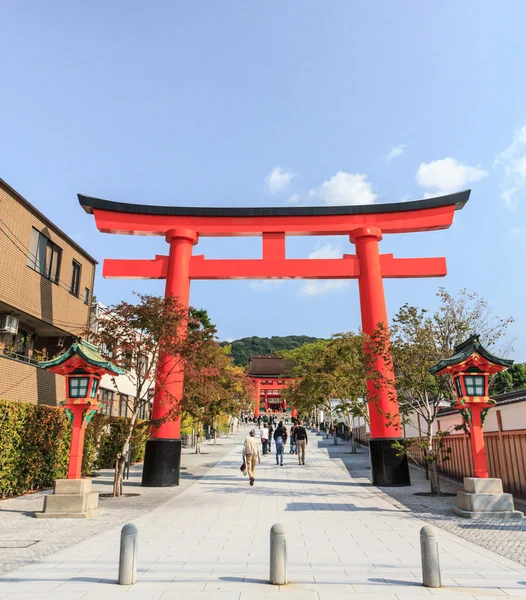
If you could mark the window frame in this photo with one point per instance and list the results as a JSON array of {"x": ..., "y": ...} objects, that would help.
[
  {"x": 86, "y": 295},
  {"x": 76, "y": 267},
  {"x": 41, "y": 244},
  {"x": 476, "y": 382}
]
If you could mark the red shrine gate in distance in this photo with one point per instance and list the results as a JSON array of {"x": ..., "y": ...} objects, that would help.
[
  {"x": 269, "y": 375},
  {"x": 364, "y": 224}
]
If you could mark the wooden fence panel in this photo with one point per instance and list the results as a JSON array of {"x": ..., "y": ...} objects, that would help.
[{"x": 506, "y": 453}]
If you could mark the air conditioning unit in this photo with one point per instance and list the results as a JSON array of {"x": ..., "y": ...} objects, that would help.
[{"x": 8, "y": 324}]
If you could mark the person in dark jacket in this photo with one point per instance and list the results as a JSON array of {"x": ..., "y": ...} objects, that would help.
[
  {"x": 301, "y": 438},
  {"x": 280, "y": 437}
]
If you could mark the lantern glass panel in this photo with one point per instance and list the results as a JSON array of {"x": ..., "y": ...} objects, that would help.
[
  {"x": 459, "y": 387},
  {"x": 78, "y": 387},
  {"x": 94, "y": 386},
  {"x": 474, "y": 385}
]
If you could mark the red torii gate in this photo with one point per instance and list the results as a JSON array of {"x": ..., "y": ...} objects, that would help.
[{"x": 364, "y": 224}]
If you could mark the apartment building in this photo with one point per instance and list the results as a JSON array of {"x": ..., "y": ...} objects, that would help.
[{"x": 46, "y": 288}]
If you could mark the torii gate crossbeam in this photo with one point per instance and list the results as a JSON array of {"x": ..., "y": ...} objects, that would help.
[{"x": 365, "y": 225}]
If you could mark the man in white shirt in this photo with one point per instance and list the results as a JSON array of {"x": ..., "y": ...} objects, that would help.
[
  {"x": 264, "y": 439},
  {"x": 251, "y": 454}
]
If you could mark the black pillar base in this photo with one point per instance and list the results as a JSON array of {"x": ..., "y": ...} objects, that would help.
[
  {"x": 162, "y": 462},
  {"x": 388, "y": 469}
]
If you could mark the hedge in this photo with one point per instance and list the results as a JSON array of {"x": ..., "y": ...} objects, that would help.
[{"x": 34, "y": 445}]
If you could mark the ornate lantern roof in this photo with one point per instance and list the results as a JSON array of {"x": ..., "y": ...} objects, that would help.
[
  {"x": 471, "y": 354},
  {"x": 81, "y": 355}
]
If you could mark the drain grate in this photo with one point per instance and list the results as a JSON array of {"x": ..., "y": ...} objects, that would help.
[{"x": 4, "y": 544}]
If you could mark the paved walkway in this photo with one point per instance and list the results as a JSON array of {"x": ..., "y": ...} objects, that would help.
[
  {"x": 506, "y": 537},
  {"x": 211, "y": 542},
  {"x": 24, "y": 539}
]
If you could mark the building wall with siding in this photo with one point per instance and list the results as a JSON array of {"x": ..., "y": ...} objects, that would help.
[{"x": 23, "y": 382}]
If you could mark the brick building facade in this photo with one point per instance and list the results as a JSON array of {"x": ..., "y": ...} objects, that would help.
[{"x": 46, "y": 287}]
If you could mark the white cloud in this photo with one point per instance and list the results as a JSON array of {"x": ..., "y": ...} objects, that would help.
[
  {"x": 513, "y": 161},
  {"x": 515, "y": 231},
  {"x": 294, "y": 199},
  {"x": 326, "y": 251},
  {"x": 318, "y": 287},
  {"x": 446, "y": 176},
  {"x": 396, "y": 152},
  {"x": 345, "y": 189},
  {"x": 266, "y": 285},
  {"x": 278, "y": 180}
]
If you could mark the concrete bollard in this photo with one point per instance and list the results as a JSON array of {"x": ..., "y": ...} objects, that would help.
[
  {"x": 430, "y": 557},
  {"x": 278, "y": 554},
  {"x": 128, "y": 556}
]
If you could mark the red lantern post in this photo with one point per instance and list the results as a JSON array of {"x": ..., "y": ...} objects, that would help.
[
  {"x": 83, "y": 367},
  {"x": 470, "y": 368}
]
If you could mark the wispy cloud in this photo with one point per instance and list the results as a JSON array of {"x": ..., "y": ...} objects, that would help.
[
  {"x": 515, "y": 231},
  {"x": 513, "y": 161},
  {"x": 446, "y": 176},
  {"x": 266, "y": 285},
  {"x": 278, "y": 180},
  {"x": 320, "y": 287},
  {"x": 345, "y": 189},
  {"x": 294, "y": 199},
  {"x": 395, "y": 152}
]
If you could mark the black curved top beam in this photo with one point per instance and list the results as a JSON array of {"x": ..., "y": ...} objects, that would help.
[{"x": 88, "y": 204}]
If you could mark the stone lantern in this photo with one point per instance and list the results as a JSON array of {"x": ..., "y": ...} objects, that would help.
[
  {"x": 83, "y": 366},
  {"x": 470, "y": 368}
]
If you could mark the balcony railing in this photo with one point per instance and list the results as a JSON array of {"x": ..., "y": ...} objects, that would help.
[{"x": 20, "y": 357}]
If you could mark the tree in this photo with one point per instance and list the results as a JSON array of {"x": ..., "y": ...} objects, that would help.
[
  {"x": 214, "y": 387},
  {"x": 514, "y": 378},
  {"x": 136, "y": 336},
  {"x": 418, "y": 341},
  {"x": 331, "y": 378}
]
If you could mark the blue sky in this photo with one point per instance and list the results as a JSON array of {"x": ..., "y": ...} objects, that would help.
[{"x": 198, "y": 103}]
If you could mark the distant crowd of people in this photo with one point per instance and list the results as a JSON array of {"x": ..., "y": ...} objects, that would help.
[{"x": 271, "y": 430}]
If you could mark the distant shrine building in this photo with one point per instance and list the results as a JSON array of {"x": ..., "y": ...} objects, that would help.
[{"x": 269, "y": 375}]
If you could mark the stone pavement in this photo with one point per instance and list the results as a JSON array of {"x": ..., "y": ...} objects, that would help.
[
  {"x": 505, "y": 537},
  {"x": 212, "y": 542},
  {"x": 24, "y": 539}
]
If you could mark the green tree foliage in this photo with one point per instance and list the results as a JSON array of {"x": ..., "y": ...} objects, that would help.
[
  {"x": 514, "y": 378},
  {"x": 243, "y": 348}
]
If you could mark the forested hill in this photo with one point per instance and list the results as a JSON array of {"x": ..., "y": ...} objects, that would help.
[{"x": 243, "y": 348}]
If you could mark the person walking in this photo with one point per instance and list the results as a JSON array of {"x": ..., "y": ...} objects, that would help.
[
  {"x": 300, "y": 435},
  {"x": 270, "y": 434},
  {"x": 280, "y": 437},
  {"x": 264, "y": 439},
  {"x": 251, "y": 455},
  {"x": 293, "y": 449}
]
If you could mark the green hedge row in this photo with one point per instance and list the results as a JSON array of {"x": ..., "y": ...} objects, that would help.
[{"x": 34, "y": 445}]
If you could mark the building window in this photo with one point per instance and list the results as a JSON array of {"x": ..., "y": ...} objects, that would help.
[
  {"x": 86, "y": 295},
  {"x": 123, "y": 405},
  {"x": 107, "y": 398},
  {"x": 45, "y": 256},
  {"x": 75, "y": 278}
]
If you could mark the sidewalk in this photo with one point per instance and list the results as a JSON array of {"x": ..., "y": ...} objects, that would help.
[
  {"x": 24, "y": 539},
  {"x": 212, "y": 542},
  {"x": 506, "y": 537}
]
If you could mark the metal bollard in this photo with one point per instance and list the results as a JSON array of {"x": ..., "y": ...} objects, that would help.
[
  {"x": 430, "y": 557},
  {"x": 278, "y": 554},
  {"x": 128, "y": 556}
]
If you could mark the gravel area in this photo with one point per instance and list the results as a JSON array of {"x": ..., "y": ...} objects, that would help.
[
  {"x": 505, "y": 537},
  {"x": 24, "y": 539}
]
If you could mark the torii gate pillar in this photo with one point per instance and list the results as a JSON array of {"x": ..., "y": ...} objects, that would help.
[{"x": 162, "y": 459}]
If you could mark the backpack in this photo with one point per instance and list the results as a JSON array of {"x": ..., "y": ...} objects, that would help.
[{"x": 300, "y": 434}]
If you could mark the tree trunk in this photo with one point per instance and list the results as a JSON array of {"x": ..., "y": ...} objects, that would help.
[
  {"x": 433, "y": 471},
  {"x": 121, "y": 457}
]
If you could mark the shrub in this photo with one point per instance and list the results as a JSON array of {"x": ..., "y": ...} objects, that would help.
[{"x": 35, "y": 441}]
